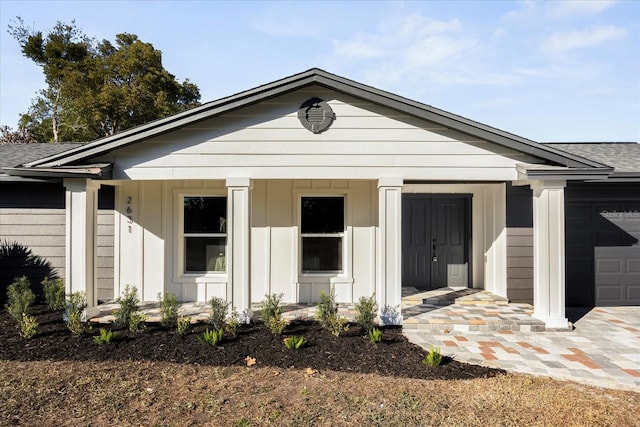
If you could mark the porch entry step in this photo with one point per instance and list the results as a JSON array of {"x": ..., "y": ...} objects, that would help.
[
  {"x": 448, "y": 296},
  {"x": 466, "y": 310},
  {"x": 440, "y": 324}
]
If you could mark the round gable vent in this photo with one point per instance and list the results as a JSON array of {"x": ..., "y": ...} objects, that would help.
[{"x": 316, "y": 115}]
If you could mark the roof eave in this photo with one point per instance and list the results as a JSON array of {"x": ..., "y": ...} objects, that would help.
[
  {"x": 620, "y": 177},
  {"x": 98, "y": 172},
  {"x": 565, "y": 174}
]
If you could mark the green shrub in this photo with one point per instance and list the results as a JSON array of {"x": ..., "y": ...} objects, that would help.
[
  {"x": 337, "y": 324},
  {"x": 270, "y": 308},
  {"x": 28, "y": 326},
  {"x": 232, "y": 323},
  {"x": 327, "y": 308},
  {"x": 217, "y": 318},
  {"x": 128, "y": 305},
  {"x": 137, "y": 322},
  {"x": 19, "y": 298},
  {"x": 74, "y": 307},
  {"x": 53, "y": 293},
  {"x": 168, "y": 309},
  {"x": 366, "y": 312},
  {"x": 375, "y": 335},
  {"x": 183, "y": 325},
  {"x": 277, "y": 323},
  {"x": 212, "y": 337},
  {"x": 294, "y": 342},
  {"x": 433, "y": 357},
  {"x": 105, "y": 337}
]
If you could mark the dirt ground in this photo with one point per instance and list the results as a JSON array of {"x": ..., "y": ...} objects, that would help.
[
  {"x": 158, "y": 378},
  {"x": 350, "y": 352}
]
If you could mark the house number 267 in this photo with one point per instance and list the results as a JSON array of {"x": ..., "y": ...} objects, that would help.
[{"x": 129, "y": 213}]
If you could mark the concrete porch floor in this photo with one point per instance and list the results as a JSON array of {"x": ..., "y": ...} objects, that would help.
[
  {"x": 442, "y": 309},
  {"x": 448, "y": 309},
  {"x": 200, "y": 311}
]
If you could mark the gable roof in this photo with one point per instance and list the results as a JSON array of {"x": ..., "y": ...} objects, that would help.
[
  {"x": 18, "y": 154},
  {"x": 624, "y": 157},
  {"x": 310, "y": 77}
]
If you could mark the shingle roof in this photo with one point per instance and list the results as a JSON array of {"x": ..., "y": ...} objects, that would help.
[
  {"x": 623, "y": 157},
  {"x": 19, "y": 154}
]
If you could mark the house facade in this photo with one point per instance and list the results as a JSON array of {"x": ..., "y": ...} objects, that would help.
[{"x": 316, "y": 182}]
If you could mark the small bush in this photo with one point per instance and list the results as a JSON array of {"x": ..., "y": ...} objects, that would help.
[
  {"x": 269, "y": 307},
  {"x": 212, "y": 337},
  {"x": 19, "y": 298},
  {"x": 74, "y": 307},
  {"x": 294, "y": 342},
  {"x": 128, "y": 305},
  {"x": 433, "y": 357},
  {"x": 28, "y": 326},
  {"x": 337, "y": 325},
  {"x": 366, "y": 313},
  {"x": 327, "y": 308},
  {"x": 218, "y": 316},
  {"x": 183, "y": 324},
  {"x": 137, "y": 322},
  {"x": 168, "y": 309},
  {"x": 232, "y": 323},
  {"x": 277, "y": 323},
  {"x": 53, "y": 293},
  {"x": 375, "y": 336},
  {"x": 105, "y": 337}
]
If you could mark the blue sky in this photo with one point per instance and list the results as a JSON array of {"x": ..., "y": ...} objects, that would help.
[{"x": 548, "y": 71}]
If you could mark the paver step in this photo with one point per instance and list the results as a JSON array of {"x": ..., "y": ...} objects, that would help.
[
  {"x": 479, "y": 325},
  {"x": 481, "y": 298},
  {"x": 446, "y": 296}
]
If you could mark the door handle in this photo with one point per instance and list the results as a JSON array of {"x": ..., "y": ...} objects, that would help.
[{"x": 434, "y": 257}]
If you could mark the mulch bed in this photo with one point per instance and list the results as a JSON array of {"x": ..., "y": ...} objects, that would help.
[{"x": 351, "y": 352}]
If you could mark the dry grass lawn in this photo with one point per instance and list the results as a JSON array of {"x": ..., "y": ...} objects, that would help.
[{"x": 165, "y": 394}]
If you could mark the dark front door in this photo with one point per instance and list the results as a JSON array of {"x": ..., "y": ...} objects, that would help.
[{"x": 435, "y": 240}]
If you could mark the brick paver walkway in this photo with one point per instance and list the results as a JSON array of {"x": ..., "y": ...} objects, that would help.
[{"x": 603, "y": 349}]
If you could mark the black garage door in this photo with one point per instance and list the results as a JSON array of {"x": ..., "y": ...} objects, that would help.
[{"x": 602, "y": 244}]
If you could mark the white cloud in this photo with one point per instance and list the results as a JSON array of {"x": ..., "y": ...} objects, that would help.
[
  {"x": 549, "y": 71},
  {"x": 355, "y": 50},
  {"x": 565, "y": 41},
  {"x": 566, "y": 9},
  {"x": 409, "y": 48},
  {"x": 534, "y": 11},
  {"x": 525, "y": 11}
]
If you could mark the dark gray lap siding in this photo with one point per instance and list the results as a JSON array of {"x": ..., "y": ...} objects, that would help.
[{"x": 32, "y": 214}]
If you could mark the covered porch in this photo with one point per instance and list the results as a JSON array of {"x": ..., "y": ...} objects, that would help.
[{"x": 146, "y": 223}]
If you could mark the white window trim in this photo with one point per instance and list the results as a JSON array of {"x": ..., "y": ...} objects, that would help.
[
  {"x": 346, "y": 234},
  {"x": 178, "y": 255}
]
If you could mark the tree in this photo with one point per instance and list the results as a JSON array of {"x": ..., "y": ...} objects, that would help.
[
  {"x": 97, "y": 89},
  {"x": 20, "y": 136}
]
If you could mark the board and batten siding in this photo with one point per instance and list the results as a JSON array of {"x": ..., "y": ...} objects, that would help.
[
  {"x": 149, "y": 250},
  {"x": 266, "y": 140},
  {"x": 33, "y": 215}
]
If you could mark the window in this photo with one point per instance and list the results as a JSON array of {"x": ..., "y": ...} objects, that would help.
[
  {"x": 322, "y": 227},
  {"x": 205, "y": 234}
]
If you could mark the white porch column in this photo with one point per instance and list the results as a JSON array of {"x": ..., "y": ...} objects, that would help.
[
  {"x": 389, "y": 248},
  {"x": 81, "y": 210},
  {"x": 548, "y": 253},
  {"x": 239, "y": 232}
]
